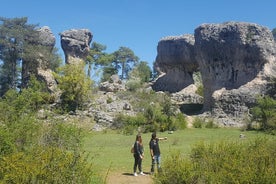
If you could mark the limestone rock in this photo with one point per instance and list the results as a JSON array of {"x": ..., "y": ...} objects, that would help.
[
  {"x": 113, "y": 85},
  {"x": 236, "y": 62},
  {"x": 75, "y": 44},
  {"x": 41, "y": 66},
  {"x": 175, "y": 62}
]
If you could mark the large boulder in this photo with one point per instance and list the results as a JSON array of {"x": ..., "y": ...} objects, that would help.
[
  {"x": 237, "y": 61},
  {"x": 39, "y": 64},
  {"x": 75, "y": 44},
  {"x": 175, "y": 62}
]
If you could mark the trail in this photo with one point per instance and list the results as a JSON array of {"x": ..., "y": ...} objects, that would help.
[{"x": 128, "y": 178}]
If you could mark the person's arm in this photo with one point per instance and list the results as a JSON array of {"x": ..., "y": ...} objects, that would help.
[
  {"x": 162, "y": 138},
  {"x": 151, "y": 153}
]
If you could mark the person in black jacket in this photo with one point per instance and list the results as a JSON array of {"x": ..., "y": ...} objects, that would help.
[
  {"x": 138, "y": 155},
  {"x": 155, "y": 152}
]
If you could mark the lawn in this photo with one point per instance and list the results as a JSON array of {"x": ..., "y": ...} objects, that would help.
[{"x": 110, "y": 150}]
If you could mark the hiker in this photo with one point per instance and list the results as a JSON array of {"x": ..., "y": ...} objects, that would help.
[
  {"x": 155, "y": 152},
  {"x": 138, "y": 154}
]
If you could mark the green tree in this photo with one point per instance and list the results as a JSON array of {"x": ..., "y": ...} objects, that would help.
[
  {"x": 95, "y": 57},
  {"x": 274, "y": 33},
  {"x": 75, "y": 86},
  {"x": 142, "y": 71},
  {"x": 15, "y": 38},
  {"x": 108, "y": 71},
  {"x": 124, "y": 61},
  {"x": 265, "y": 113}
]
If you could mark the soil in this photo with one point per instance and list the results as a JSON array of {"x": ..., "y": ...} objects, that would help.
[{"x": 128, "y": 178}]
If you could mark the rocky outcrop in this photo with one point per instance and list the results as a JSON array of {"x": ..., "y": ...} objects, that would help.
[
  {"x": 236, "y": 62},
  {"x": 114, "y": 84},
  {"x": 75, "y": 44},
  {"x": 175, "y": 62},
  {"x": 39, "y": 65}
]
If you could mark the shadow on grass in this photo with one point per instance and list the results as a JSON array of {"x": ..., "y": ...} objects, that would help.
[{"x": 131, "y": 174}]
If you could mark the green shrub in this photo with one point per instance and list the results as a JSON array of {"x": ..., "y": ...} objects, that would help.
[
  {"x": 197, "y": 123},
  {"x": 211, "y": 124},
  {"x": 176, "y": 169},
  {"x": 46, "y": 165},
  {"x": 224, "y": 162}
]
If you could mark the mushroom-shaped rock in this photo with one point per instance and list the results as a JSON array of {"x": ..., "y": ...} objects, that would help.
[
  {"x": 75, "y": 44},
  {"x": 175, "y": 62}
]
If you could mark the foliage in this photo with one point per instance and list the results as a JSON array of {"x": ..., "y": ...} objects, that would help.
[
  {"x": 197, "y": 123},
  {"x": 224, "y": 162},
  {"x": 265, "y": 113},
  {"x": 33, "y": 152},
  {"x": 274, "y": 33},
  {"x": 198, "y": 82},
  {"x": 13, "y": 34},
  {"x": 124, "y": 58},
  {"x": 141, "y": 72},
  {"x": 157, "y": 115},
  {"x": 108, "y": 71},
  {"x": 97, "y": 57},
  {"x": 75, "y": 86},
  {"x": 19, "y": 48}
]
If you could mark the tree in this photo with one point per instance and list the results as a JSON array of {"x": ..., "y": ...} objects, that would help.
[
  {"x": 140, "y": 74},
  {"x": 95, "y": 56},
  {"x": 143, "y": 71},
  {"x": 265, "y": 113},
  {"x": 75, "y": 87},
  {"x": 124, "y": 61},
  {"x": 274, "y": 33},
  {"x": 14, "y": 34}
]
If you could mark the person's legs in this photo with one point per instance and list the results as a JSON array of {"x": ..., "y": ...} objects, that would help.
[
  {"x": 153, "y": 162},
  {"x": 158, "y": 160},
  {"x": 140, "y": 167},
  {"x": 140, "y": 164},
  {"x": 136, "y": 160}
]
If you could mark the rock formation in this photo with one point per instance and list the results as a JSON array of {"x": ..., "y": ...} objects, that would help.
[
  {"x": 40, "y": 66},
  {"x": 236, "y": 61},
  {"x": 75, "y": 44},
  {"x": 175, "y": 62}
]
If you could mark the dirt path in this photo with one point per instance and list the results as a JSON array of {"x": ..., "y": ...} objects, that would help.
[{"x": 128, "y": 178}]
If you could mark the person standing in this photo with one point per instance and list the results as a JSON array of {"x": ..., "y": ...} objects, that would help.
[
  {"x": 155, "y": 152},
  {"x": 138, "y": 155}
]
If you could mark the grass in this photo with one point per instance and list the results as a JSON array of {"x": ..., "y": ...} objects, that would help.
[{"x": 110, "y": 150}]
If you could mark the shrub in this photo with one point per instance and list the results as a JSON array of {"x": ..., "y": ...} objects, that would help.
[
  {"x": 197, "y": 123},
  {"x": 45, "y": 165},
  {"x": 224, "y": 162},
  {"x": 211, "y": 124}
]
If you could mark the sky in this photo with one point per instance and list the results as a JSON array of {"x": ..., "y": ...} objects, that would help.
[{"x": 137, "y": 24}]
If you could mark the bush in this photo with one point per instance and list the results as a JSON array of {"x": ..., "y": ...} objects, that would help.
[
  {"x": 224, "y": 162},
  {"x": 45, "y": 165},
  {"x": 211, "y": 124},
  {"x": 197, "y": 123}
]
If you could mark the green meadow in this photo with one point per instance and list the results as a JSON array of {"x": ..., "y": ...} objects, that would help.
[{"x": 110, "y": 150}]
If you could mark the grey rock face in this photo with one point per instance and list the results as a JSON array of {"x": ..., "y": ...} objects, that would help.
[
  {"x": 40, "y": 67},
  {"x": 176, "y": 62},
  {"x": 46, "y": 37},
  {"x": 75, "y": 44},
  {"x": 236, "y": 61}
]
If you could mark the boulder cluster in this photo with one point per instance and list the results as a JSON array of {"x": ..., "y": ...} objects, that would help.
[{"x": 236, "y": 61}]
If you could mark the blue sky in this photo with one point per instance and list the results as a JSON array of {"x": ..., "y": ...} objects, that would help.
[{"x": 137, "y": 24}]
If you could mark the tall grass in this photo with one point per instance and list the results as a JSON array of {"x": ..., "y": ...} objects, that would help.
[{"x": 110, "y": 150}]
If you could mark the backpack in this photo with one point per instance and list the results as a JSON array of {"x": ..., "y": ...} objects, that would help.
[{"x": 132, "y": 149}]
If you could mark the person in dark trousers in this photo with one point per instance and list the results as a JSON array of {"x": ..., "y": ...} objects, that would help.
[
  {"x": 138, "y": 155},
  {"x": 155, "y": 152}
]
